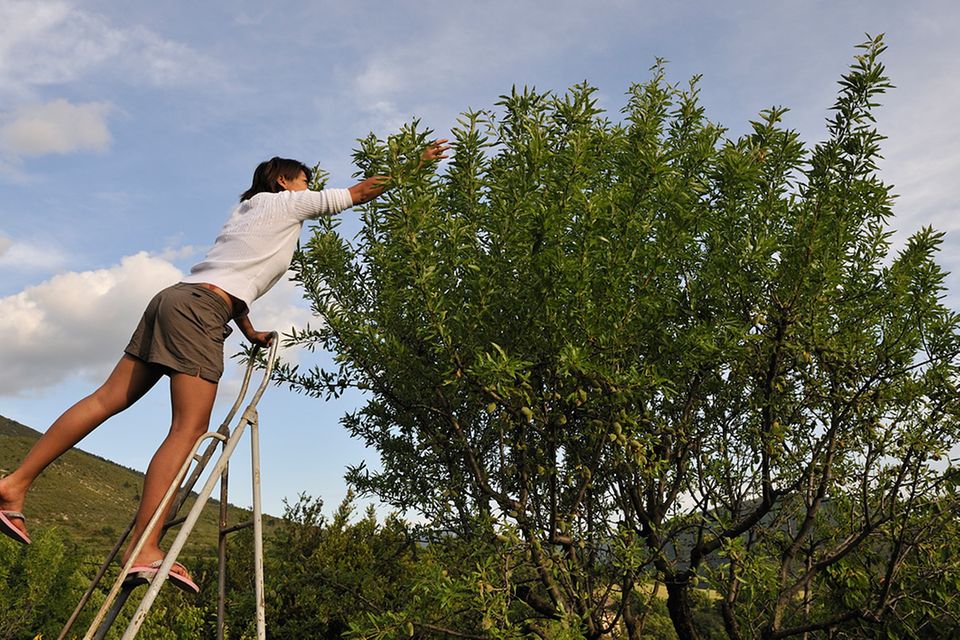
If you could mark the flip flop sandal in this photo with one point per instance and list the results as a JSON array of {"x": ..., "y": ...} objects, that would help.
[
  {"x": 144, "y": 573},
  {"x": 7, "y": 528}
]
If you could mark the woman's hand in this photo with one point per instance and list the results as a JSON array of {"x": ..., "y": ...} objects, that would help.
[
  {"x": 257, "y": 338},
  {"x": 261, "y": 338},
  {"x": 435, "y": 151},
  {"x": 365, "y": 191}
]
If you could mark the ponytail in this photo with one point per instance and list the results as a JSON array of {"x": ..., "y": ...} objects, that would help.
[{"x": 267, "y": 174}]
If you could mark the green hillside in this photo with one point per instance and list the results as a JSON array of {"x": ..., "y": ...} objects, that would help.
[{"x": 92, "y": 500}]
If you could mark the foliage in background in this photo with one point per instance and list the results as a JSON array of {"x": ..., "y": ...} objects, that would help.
[
  {"x": 41, "y": 584},
  {"x": 37, "y": 584},
  {"x": 635, "y": 352},
  {"x": 326, "y": 578}
]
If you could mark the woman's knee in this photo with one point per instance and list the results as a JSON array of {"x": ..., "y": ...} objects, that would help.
[
  {"x": 190, "y": 428},
  {"x": 107, "y": 402}
]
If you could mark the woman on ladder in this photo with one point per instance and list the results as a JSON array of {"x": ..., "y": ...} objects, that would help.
[{"x": 181, "y": 336}]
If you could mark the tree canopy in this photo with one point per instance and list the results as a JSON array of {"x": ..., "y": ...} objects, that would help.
[{"x": 634, "y": 353}]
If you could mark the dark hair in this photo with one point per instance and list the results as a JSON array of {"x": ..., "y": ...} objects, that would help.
[{"x": 268, "y": 173}]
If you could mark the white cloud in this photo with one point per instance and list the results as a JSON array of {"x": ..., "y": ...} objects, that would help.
[
  {"x": 77, "y": 323},
  {"x": 281, "y": 308},
  {"x": 56, "y": 127},
  {"x": 919, "y": 119},
  {"x": 52, "y": 42},
  {"x": 28, "y": 256},
  {"x": 49, "y": 42},
  {"x": 175, "y": 253},
  {"x": 167, "y": 63},
  {"x": 457, "y": 50}
]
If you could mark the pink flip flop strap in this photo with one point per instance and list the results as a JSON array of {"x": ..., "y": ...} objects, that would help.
[
  {"x": 155, "y": 565},
  {"x": 6, "y": 520}
]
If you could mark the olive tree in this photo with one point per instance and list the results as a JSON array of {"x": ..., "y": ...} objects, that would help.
[{"x": 637, "y": 353}]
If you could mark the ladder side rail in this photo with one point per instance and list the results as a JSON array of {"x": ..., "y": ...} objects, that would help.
[
  {"x": 222, "y": 555},
  {"x": 223, "y": 430},
  {"x": 258, "y": 534},
  {"x": 114, "y": 612},
  {"x": 247, "y": 374},
  {"x": 257, "y": 531},
  {"x": 183, "y": 493},
  {"x": 203, "y": 459},
  {"x": 267, "y": 370},
  {"x": 257, "y": 506}
]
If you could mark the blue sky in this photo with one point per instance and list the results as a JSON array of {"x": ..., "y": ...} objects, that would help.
[{"x": 127, "y": 131}]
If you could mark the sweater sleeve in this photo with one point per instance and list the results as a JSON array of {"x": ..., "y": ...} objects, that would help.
[{"x": 310, "y": 205}]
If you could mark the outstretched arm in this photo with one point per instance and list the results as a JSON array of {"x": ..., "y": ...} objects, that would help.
[
  {"x": 372, "y": 187},
  {"x": 368, "y": 189}
]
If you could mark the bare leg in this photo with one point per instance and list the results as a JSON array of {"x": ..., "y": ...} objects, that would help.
[
  {"x": 130, "y": 380},
  {"x": 192, "y": 399}
]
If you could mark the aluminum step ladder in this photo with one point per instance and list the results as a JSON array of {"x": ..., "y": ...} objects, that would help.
[{"x": 226, "y": 439}]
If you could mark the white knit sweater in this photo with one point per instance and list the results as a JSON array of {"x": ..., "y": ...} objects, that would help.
[{"x": 256, "y": 245}]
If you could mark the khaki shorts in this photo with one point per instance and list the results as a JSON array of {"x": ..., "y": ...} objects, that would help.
[{"x": 183, "y": 329}]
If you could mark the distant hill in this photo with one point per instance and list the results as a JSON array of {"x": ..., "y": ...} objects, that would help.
[{"x": 91, "y": 499}]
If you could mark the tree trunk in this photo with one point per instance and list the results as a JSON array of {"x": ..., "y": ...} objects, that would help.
[
  {"x": 678, "y": 604},
  {"x": 730, "y": 621},
  {"x": 630, "y": 615}
]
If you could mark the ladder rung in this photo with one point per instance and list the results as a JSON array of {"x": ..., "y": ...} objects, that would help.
[{"x": 235, "y": 528}]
